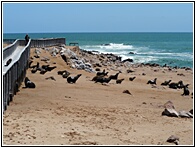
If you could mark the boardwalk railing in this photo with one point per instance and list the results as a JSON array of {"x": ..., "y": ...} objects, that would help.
[
  {"x": 15, "y": 72},
  {"x": 47, "y": 42}
]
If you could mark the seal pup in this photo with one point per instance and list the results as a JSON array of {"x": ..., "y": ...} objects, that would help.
[
  {"x": 119, "y": 81},
  {"x": 166, "y": 83},
  {"x": 8, "y": 62},
  {"x": 73, "y": 79},
  {"x": 152, "y": 81},
  {"x": 131, "y": 78},
  {"x": 28, "y": 83}
]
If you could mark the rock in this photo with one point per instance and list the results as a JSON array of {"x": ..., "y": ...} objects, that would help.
[
  {"x": 173, "y": 139},
  {"x": 131, "y": 52},
  {"x": 170, "y": 112},
  {"x": 127, "y": 60},
  {"x": 185, "y": 114},
  {"x": 169, "y": 105}
]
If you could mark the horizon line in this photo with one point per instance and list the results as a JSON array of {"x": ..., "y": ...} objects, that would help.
[{"x": 104, "y": 32}]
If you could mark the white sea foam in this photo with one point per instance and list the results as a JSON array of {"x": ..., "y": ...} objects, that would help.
[{"x": 142, "y": 54}]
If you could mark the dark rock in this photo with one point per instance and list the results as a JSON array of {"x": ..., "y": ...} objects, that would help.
[
  {"x": 127, "y": 60},
  {"x": 131, "y": 53}
]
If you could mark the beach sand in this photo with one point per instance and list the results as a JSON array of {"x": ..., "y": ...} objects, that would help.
[{"x": 89, "y": 113}]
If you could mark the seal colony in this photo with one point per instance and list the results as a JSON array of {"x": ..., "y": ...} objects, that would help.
[{"x": 86, "y": 112}]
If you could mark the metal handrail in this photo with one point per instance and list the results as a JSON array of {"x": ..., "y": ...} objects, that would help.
[{"x": 15, "y": 72}]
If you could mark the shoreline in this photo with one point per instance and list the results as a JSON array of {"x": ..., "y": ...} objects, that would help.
[
  {"x": 89, "y": 113},
  {"x": 152, "y": 64}
]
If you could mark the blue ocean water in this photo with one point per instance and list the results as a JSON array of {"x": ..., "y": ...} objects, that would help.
[{"x": 173, "y": 49}]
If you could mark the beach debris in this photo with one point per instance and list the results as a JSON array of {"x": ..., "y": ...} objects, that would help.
[
  {"x": 127, "y": 92},
  {"x": 173, "y": 139},
  {"x": 50, "y": 78},
  {"x": 143, "y": 74},
  {"x": 119, "y": 81}
]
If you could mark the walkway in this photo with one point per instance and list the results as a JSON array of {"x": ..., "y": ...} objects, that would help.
[{"x": 14, "y": 56}]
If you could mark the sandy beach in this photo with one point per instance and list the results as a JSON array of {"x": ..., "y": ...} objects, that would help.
[{"x": 89, "y": 113}]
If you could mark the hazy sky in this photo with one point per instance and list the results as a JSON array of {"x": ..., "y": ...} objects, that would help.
[{"x": 97, "y": 17}]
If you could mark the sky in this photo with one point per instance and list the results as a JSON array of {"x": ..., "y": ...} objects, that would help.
[{"x": 31, "y": 17}]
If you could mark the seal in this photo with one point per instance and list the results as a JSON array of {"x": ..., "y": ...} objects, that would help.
[
  {"x": 115, "y": 77},
  {"x": 152, "y": 81},
  {"x": 28, "y": 83},
  {"x": 103, "y": 80},
  {"x": 186, "y": 91},
  {"x": 166, "y": 83},
  {"x": 73, "y": 79},
  {"x": 119, "y": 81},
  {"x": 103, "y": 73},
  {"x": 131, "y": 78}
]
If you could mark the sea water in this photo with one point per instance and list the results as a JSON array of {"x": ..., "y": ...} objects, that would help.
[{"x": 173, "y": 49}]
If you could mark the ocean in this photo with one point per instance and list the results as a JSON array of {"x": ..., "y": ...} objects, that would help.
[{"x": 173, "y": 49}]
